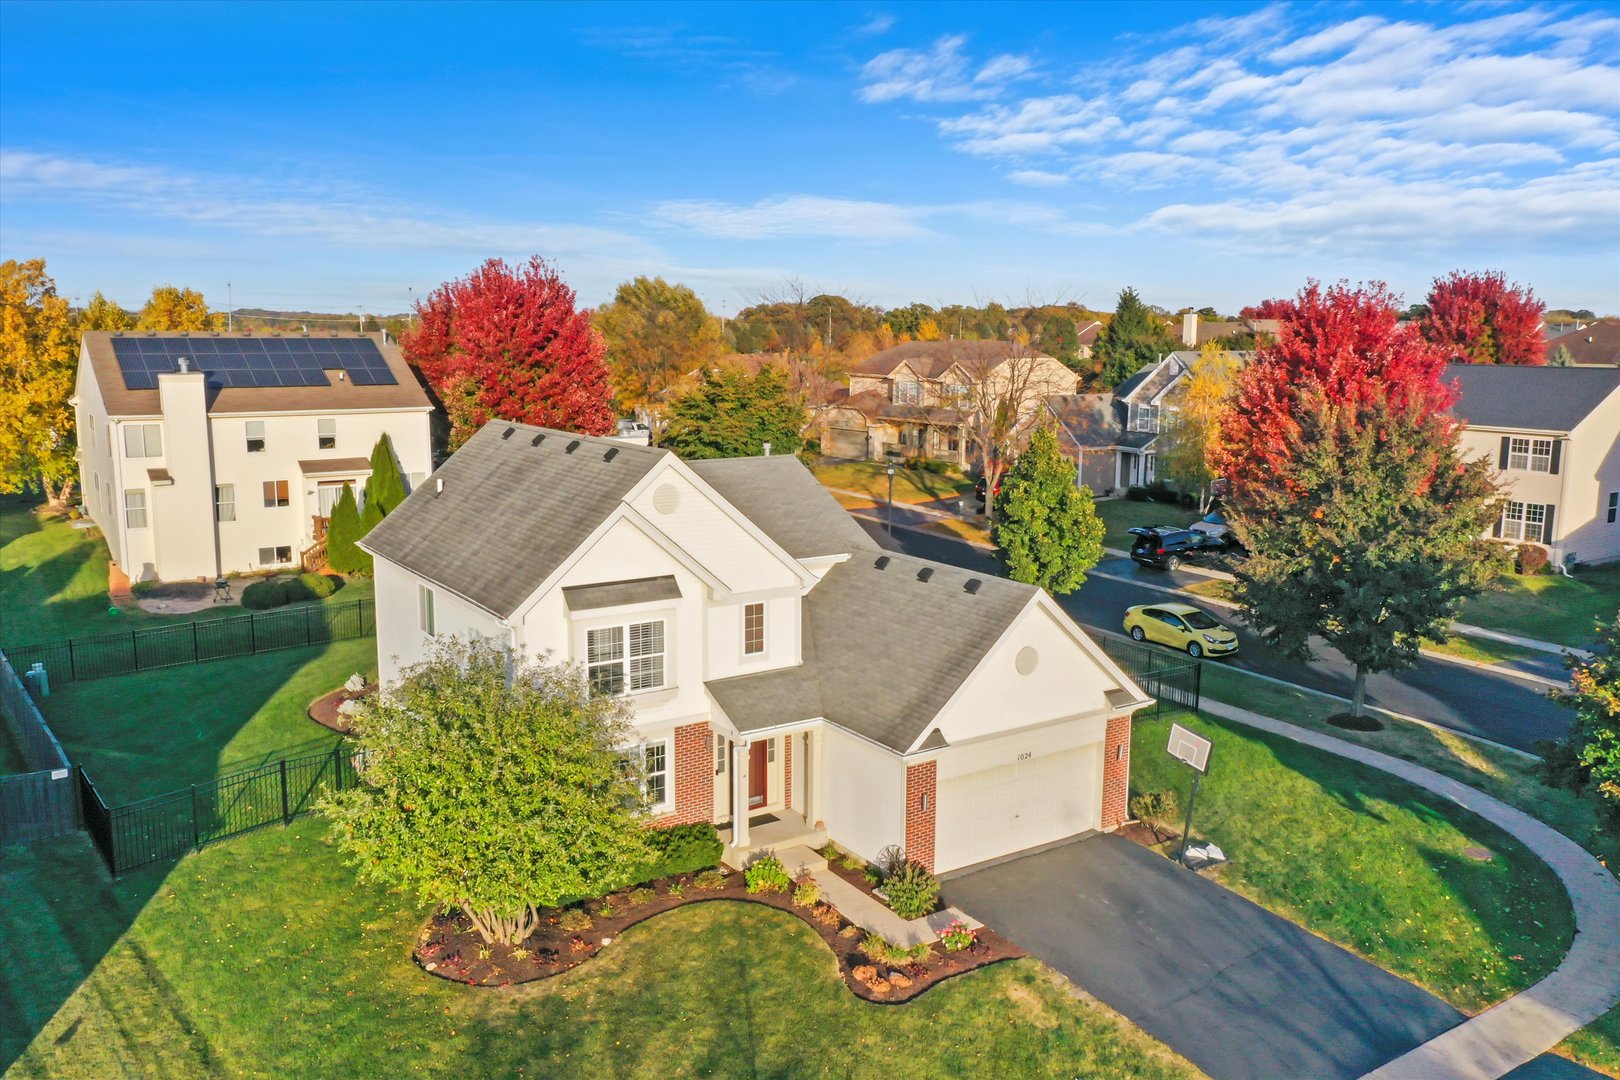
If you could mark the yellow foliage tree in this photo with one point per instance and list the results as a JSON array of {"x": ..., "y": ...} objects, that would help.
[
  {"x": 172, "y": 308},
  {"x": 928, "y": 330},
  {"x": 656, "y": 333},
  {"x": 1191, "y": 430},
  {"x": 38, "y": 362},
  {"x": 102, "y": 314}
]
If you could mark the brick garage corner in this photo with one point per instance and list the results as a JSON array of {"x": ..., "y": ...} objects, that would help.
[
  {"x": 920, "y": 786},
  {"x": 1116, "y": 773},
  {"x": 694, "y": 776}
]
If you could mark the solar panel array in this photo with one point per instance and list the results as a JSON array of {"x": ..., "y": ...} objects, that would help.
[{"x": 269, "y": 361}]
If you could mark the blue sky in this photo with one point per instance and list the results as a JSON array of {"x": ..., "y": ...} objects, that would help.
[{"x": 333, "y": 157}]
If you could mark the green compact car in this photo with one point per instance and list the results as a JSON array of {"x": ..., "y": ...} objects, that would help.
[{"x": 1180, "y": 626}]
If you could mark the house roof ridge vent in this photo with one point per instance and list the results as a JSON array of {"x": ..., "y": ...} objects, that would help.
[
  {"x": 881, "y": 563},
  {"x": 925, "y": 573},
  {"x": 972, "y": 585}
]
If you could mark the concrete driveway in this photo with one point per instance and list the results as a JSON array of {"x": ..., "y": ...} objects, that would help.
[{"x": 1240, "y": 992}]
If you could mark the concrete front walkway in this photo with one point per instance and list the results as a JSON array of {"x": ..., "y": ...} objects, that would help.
[
  {"x": 863, "y": 910},
  {"x": 1581, "y": 989}
]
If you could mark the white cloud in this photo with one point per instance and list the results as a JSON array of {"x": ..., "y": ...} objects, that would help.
[
  {"x": 1358, "y": 131},
  {"x": 793, "y": 216},
  {"x": 940, "y": 74},
  {"x": 880, "y": 23}
]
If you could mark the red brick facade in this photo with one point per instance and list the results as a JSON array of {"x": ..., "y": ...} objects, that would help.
[
  {"x": 694, "y": 776},
  {"x": 787, "y": 770},
  {"x": 1116, "y": 773},
  {"x": 920, "y": 785}
]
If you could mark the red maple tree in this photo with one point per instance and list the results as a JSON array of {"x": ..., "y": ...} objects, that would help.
[
  {"x": 507, "y": 342},
  {"x": 1481, "y": 319},
  {"x": 1266, "y": 309},
  {"x": 1345, "y": 345}
]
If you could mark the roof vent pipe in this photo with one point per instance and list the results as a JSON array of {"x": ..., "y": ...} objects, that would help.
[
  {"x": 882, "y": 562},
  {"x": 185, "y": 364},
  {"x": 925, "y": 573},
  {"x": 767, "y": 449},
  {"x": 438, "y": 486}
]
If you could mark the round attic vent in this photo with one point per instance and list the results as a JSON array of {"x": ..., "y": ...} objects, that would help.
[
  {"x": 667, "y": 499},
  {"x": 1026, "y": 660}
]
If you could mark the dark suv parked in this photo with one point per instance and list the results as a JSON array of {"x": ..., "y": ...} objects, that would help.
[{"x": 1163, "y": 547}]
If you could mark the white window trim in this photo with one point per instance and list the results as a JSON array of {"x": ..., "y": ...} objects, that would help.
[
  {"x": 272, "y": 560},
  {"x": 667, "y": 803},
  {"x": 425, "y": 620},
  {"x": 1517, "y": 526},
  {"x": 1535, "y": 457},
  {"x": 320, "y": 434},
  {"x": 148, "y": 432},
  {"x": 145, "y": 509},
  {"x": 249, "y": 436},
  {"x": 764, "y": 632},
  {"x": 625, "y": 624},
  {"x": 220, "y": 503}
]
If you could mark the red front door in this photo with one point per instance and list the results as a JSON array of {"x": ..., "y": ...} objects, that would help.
[{"x": 756, "y": 774}]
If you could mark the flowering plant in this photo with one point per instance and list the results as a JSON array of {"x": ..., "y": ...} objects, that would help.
[{"x": 958, "y": 936}]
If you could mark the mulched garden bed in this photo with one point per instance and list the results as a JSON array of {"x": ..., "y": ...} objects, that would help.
[
  {"x": 449, "y": 947},
  {"x": 324, "y": 709}
]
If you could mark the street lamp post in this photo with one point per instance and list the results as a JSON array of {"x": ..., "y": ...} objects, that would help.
[{"x": 890, "y": 514}]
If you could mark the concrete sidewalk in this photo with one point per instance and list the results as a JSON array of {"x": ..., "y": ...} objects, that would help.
[{"x": 1581, "y": 989}]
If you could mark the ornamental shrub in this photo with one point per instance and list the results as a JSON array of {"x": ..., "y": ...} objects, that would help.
[
  {"x": 575, "y": 920},
  {"x": 680, "y": 849},
  {"x": 912, "y": 891},
  {"x": 766, "y": 874},
  {"x": 806, "y": 893},
  {"x": 276, "y": 592},
  {"x": 1155, "y": 809},
  {"x": 958, "y": 936},
  {"x": 341, "y": 533},
  {"x": 1530, "y": 559}
]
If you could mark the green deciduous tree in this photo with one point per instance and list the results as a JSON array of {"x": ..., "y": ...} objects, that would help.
[
  {"x": 1046, "y": 528},
  {"x": 655, "y": 333},
  {"x": 102, "y": 314},
  {"x": 1594, "y": 739},
  {"x": 1060, "y": 338},
  {"x": 492, "y": 784},
  {"x": 1133, "y": 338},
  {"x": 1364, "y": 521},
  {"x": 38, "y": 362},
  {"x": 342, "y": 531},
  {"x": 730, "y": 413},
  {"x": 172, "y": 308}
]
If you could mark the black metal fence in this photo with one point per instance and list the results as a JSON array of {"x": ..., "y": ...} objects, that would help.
[
  {"x": 148, "y": 648},
  {"x": 1162, "y": 676},
  {"x": 169, "y": 825}
]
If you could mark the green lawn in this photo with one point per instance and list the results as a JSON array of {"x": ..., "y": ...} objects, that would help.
[
  {"x": 1369, "y": 861},
  {"x": 1550, "y": 607},
  {"x": 1121, "y": 514},
  {"x": 910, "y": 485},
  {"x": 141, "y": 735},
  {"x": 262, "y": 957},
  {"x": 53, "y": 581}
]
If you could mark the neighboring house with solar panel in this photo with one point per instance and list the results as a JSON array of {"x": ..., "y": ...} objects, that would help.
[
  {"x": 1553, "y": 436},
  {"x": 214, "y": 453},
  {"x": 789, "y": 680}
]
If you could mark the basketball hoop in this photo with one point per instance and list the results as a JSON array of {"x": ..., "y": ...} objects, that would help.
[{"x": 1192, "y": 748}]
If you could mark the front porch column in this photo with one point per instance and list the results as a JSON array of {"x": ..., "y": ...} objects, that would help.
[{"x": 739, "y": 794}]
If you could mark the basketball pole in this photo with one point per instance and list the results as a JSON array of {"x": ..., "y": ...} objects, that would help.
[{"x": 1186, "y": 828}]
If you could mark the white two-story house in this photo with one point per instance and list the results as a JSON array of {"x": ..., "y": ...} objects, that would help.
[
  {"x": 789, "y": 680},
  {"x": 1553, "y": 435},
  {"x": 212, "y": 453}
]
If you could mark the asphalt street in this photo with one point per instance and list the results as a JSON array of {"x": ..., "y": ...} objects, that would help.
[{"x": 1506, "y": 710}]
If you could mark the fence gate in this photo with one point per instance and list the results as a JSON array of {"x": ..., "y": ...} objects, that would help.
[{"x": 37, "y": 806}]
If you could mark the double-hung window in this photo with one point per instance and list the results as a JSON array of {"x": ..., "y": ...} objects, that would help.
[
  {"x": 1533, "y": 455},
  {"x": 1525, "y": 522},
  {"x": 625, "y": 658},
  {"x": 1614, "y": 506},
  {"x": 908, "y": 393},
  {"x": 135, "y": 509},
  {"x": 255, "y": 436},
  {"x": 424, "y": 609},
  {"x": 1144, "y": 418},
  {"x": 654, "y": 773},
  {"x": 753, "y": 629},
  {"x": 143, "y": 440},
  {"x": 276, "y": 493},
  {"x": 326, "y": 434},
  {"x": 225, "y": 502}
]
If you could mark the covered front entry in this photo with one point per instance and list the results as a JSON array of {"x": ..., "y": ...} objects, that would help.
[
  {"x": 987, "y": 814},
  {"x": 767, "y": 775}
]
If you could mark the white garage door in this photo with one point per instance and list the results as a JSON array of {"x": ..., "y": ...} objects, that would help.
[{"x": 987, "y": 814}]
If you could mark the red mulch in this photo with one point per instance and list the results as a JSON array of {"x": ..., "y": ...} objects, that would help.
[
  {"x": 449, "y": 947},
  {"x": 1138, "y": 833},
  {"x": 324, "y": 709}
]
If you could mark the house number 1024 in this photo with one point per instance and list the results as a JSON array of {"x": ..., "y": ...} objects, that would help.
[{"x": 1026, "y": 755}]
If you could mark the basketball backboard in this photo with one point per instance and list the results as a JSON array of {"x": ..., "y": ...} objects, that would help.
[{"x": 1190, "y": 747}]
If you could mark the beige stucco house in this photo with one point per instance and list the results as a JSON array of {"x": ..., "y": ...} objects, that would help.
[
  {"x": 920, "y": 398},
  {"x": 1553, "y": 436}
]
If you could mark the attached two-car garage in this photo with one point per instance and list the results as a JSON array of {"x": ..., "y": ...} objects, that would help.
[{"x": 986, "y": 814}]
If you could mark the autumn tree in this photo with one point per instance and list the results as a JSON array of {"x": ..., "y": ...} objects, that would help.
[
  {"x": 508, "y": 342},
  {"x": 731, "y": 412},
  {"x": 1190, "y": 433},
  {"x": 1364, "y": 521},
  {"x": 1590, "y": 758},
  {"x": 1481, "y": 319},
  {"x": 655, "y": 333},
  {"x": 172, "y": 308},
  {"x": 1133, "y": 338},
  {"x": 1003, "y": 394},
  {"x": 38, "y": 361},
  {"x": 1046, "y": 529},
  {"x": 102, "y": 314},
  {"x": 492, "y": 784}
]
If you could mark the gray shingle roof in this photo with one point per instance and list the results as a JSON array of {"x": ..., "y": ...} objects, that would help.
[
  {"x": 1529, "y": 398},
  {"x": 620, "y": 593},
  {"x": 883, "y": 650},
  {"x": 511, "y": 511},
  {"x": 789, "y": 504}
]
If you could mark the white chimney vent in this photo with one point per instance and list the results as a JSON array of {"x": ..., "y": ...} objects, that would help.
[
  {"x": 438, "y": 485},
  {"x": 185, "y": 364}
]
